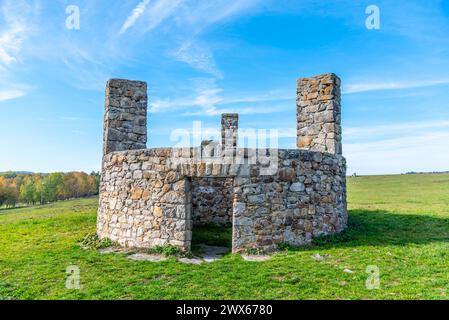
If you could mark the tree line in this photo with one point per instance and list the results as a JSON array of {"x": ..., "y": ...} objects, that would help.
[{"x": 42, "y": 188}]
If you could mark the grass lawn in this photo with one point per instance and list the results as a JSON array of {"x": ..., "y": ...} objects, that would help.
[{"x": 398, "y": 223}]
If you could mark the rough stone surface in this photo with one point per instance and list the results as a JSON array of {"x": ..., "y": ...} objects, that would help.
[
  {"x": 256, "y": 258},
  {"x": 194, "y": 260},
  {"x": 125, "y": 121},
  {"x": 147, "y": 257},
  {"x": 319, "y": 114},
  {"x": 212, "y": 200},
  {"x": 119, "y": 250},
  {"x": 293, "y": 212},
  {"x": 152, "y": 197},
  {"x": 229, "y": 133}
]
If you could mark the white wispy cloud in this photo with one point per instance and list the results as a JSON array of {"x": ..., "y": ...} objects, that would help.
[
  {"x": 187, "y": 20},
  {"x": 272, "y": 95},
  {"x": 424, "y": 22},
  {"x": 214, "y": 111},
  {"x": 159, "y": 12},
  {"x": 84, "y": 70},
  {"x": 16, "y": 29},
  {"x": 394, "y": 85},
  {"x": 11, "y": 41},
  {"x": 11, "y": 94},
  {"x": 199, "y": 57},
  {"x": 151, "y": 13},
  {"x": 208, "y": 99},
  {"x": 18, "y": 19},
  {"x": 134, "y": 16}
]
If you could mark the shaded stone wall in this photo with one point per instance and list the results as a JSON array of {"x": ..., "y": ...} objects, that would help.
[
  {"x": 319, "y": 114},
  {"x": 305, "y": 199},
  {"x": 144, "y": 200},
  {"x": 212, "y": 201},
  {"x": 125, "y": 120}
]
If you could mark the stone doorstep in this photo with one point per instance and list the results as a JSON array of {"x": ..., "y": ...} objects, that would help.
[
  {"x": 256, "y": 258},
  {"x": 119, "y": 250},
  {"x": 209, "y": 254},
  {"x": 194, "y": 260},
  {"x": 147, "y": 257}
]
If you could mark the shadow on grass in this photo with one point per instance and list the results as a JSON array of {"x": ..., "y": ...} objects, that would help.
[
  {"x": 377, "y": 228},
  {"x": 365, "y": 228},
  {"x": 211, "y": 235},
  {"x": 7, "y": 210}
]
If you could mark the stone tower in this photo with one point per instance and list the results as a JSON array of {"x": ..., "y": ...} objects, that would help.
[
  {"x": 229, "y": 133},
  {"x": 125, "y": 119},
  {"x": 319, "y": 114}
]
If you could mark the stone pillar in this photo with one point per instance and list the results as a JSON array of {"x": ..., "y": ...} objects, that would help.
[
  {"x": 229, "y": 132},
  {"x": 319, "y": 114},
  {"x": 125, "y": 120}
]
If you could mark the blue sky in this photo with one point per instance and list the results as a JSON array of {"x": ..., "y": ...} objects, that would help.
[{"x": 201, "y": 58}]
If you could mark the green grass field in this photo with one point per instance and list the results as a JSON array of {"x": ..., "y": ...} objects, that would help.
[{"x": 398, "y": 223}]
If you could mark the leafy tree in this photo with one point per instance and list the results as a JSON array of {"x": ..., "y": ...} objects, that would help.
[
  {"x": 49, "y": 189},
  {"x": 8, "y": 192},
  {"x": 27, "y": 191}
]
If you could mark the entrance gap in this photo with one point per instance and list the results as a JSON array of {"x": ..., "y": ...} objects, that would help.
[{"x": 212, "y": 200}]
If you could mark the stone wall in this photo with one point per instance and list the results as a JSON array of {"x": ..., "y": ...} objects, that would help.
[
  {"x": 125, "y": 120},
  {"x": 319, "y": 114},
  {"x": 212, "y": 197},
  {"x": 146, "y": 198},
  {"x": 305, "y": 199},
  {"x": 212, "y": 201}
]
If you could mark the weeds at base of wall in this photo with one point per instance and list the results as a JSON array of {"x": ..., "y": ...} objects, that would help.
[
  {"x": 255, "y": 251},
  {"x": 170, "y": 251},
  {"x": 91, "y": 241}
]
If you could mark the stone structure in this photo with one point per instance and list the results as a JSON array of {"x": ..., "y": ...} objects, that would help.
[
  {"x": 212, "y": 200},
  {"x": 154, "y": 197},
  {"x": 125, "y": 120},
  {"x": 319, "y": 114},
  {"x": 229, "y": 133}
]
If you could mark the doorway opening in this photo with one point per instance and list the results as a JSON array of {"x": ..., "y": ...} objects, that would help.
[{"x": 212, "y": 201}]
